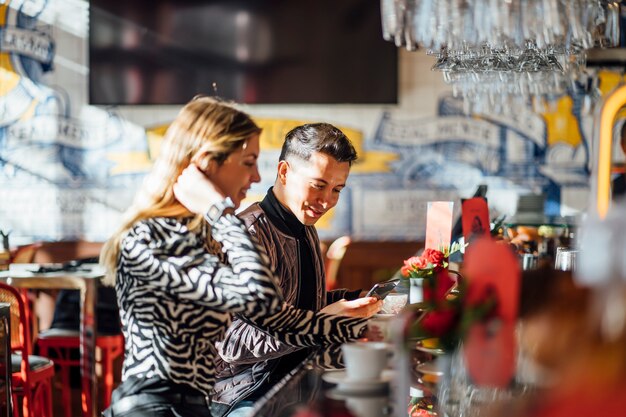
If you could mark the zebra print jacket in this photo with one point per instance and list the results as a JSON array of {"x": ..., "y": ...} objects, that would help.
[{"x": 176, "y": 300}]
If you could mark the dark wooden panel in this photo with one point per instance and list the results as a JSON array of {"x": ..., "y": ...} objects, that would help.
[
  {"x": 66, "y": 251},
  {"x": 366, "y": 263}
]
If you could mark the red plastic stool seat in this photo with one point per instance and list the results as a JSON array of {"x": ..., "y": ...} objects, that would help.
[
  {"x": 31, "y": 375},
  {"x": 58, "y": 343}
]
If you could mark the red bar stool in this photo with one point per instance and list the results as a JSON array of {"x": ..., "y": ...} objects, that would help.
[
  {"x": 59, "y": 343},
  {"x": 31, "y": 375}
]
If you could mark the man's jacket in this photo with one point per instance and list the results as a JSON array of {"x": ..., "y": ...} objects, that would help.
[{"x": 249, "y": 354}]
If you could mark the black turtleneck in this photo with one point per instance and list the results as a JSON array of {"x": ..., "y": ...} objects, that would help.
[{"x": 288, "y": 223}]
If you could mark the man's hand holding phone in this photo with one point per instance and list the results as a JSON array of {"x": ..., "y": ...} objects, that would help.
[{"x": 382, "y": 289}]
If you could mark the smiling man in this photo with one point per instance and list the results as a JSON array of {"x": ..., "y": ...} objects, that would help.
[{"x": 313, "y": 168}]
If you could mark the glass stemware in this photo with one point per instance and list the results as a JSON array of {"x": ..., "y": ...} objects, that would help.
[
  {"x": 473, "y": 39},
  {"x": 565, "y": 259}
]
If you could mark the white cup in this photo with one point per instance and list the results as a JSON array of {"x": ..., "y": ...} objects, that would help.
[
  {"x": 365, "y": 360},
  {"x": 379, "y": 327}
]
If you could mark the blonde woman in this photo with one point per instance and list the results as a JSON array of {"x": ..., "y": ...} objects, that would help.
[{"x": 183, "y": 264}]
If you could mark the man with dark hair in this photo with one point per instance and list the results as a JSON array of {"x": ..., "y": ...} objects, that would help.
[{"x": 313, "y": 168}]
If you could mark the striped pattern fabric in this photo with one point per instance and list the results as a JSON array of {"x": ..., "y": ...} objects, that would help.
[{"x": 176, "y": 300}]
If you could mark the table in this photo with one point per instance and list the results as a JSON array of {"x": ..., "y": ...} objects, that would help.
[
  {"x": 304, "y": 392},
  {"x": 86, "y": 281}
]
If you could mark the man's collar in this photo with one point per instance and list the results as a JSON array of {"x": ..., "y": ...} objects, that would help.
[{"x": 280, "y": 215}]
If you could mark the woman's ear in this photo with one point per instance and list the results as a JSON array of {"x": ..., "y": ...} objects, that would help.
[
  {"x": 283, "y": 169},
  {"x": 205, "y": 163}
]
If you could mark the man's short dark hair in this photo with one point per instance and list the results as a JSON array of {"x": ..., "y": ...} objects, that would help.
[{"x": 303, "y": 141}]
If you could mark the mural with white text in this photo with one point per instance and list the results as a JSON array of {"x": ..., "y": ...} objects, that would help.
[{"x": 68, "y": 170}]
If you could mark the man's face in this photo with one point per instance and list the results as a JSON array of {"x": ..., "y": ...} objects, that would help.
[{"x": 310, "y": 188}]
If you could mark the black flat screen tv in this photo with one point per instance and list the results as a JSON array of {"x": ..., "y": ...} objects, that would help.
[{"x": 250, "y": 51}]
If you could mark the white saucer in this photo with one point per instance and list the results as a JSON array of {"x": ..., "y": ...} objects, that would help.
[
  {"x": 346, "y": 385},
  {"x": 429, "y": 368}
]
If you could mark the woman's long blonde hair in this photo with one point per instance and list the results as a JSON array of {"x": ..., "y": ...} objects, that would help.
[{"x": 205, "y": 130}]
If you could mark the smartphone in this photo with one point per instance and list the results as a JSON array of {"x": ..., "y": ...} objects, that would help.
[{"x": 382, "y": 289}]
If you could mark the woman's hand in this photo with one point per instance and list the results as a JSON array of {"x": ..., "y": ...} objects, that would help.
[
  {"x": 196, "y": 191},
  {"x": 361, "y": 307}
]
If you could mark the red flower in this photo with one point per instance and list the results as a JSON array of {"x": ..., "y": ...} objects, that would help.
[
  {"x": 413, "y": 264},
  {"x": 418, "y": 262},
  {"x": 433, "y": 256},
  {"x": 438, "y": 323},
  {"x": 405, "y": 270}
]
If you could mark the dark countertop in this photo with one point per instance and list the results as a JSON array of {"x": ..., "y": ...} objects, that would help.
[{"x": 303, "y": 392}]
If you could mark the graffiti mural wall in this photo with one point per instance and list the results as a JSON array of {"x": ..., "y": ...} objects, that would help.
[
  {"x": 63, "y": 165},
  {"x": 448, "y": 156},
  {"x": 69, "y": 170}
]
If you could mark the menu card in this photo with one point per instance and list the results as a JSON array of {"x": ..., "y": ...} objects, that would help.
[
  {"x": 475, "y": 218},
  {"x": 438, "y": 224}
]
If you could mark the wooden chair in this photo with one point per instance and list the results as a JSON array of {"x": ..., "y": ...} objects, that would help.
[{"x": 31, "y": 375}]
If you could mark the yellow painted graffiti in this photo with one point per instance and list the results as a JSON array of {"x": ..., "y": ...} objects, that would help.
[
  {"x": 129, "y": 162},
  {"x": 562, "y": 125},
  {"x": 272, "y": 137},
  {"x": 4, "y": 8},
  {"x": 609, "y": 80},
  {"x": 8, "y": 79},
  {"x": 374, "y": 162},
  {"x": 274, "y": 131},
  {"x": 5, "y": 58},
  {"x": 155, "y": 138}
]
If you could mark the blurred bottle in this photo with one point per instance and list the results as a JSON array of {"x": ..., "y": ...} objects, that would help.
[
  {"x": 547, "y": 244},
  {"x": 528, "y": 261},
  {"x": 565, "y": 259}
]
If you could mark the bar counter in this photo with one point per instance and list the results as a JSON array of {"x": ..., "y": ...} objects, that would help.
[{"x": 304, "y": 392}]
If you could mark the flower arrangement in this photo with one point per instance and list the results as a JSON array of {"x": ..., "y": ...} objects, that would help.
[
  {"x": 444, "y": 315},
  {"x": 428, "y": 267},
  {"x": 431, "y": 261}
]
